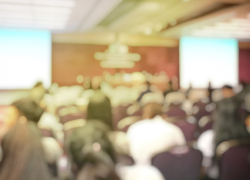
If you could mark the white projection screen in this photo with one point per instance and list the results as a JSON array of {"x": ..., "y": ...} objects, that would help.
[
  {"x": 204, "y": 60},
  {"x": 25, "y": 58}
]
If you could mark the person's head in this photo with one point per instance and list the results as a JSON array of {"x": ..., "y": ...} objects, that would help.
[
  {"x": 22, "y": 110},
  {"x": 227, "y": 91},
  {"x": 99, "y": 107},
  {"x": 229, "y": 121},
  {"x": 28, "y": 108},
  {"x": 96, "y": 82},
  {"x": 37, "y": 91},
  {"x": 152, "y": 105},
  {"x": 23, "y": 154},
  {"x": 151, "y": 110},
  {"x": 92, "y": 152}
]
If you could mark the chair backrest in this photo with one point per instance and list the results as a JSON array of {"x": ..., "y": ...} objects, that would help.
[
  {"x": 176, "y": 111},
  {"x": 234, "y": 162},
  {"x": 72, "y": 117},
  {"x": 179, "y": 163},
  {"x": 201, "y": 109},
  {"x": 189, "y": 129}
]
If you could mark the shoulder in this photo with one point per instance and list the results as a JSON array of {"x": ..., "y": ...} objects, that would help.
[{"x": 140, "y": 172}]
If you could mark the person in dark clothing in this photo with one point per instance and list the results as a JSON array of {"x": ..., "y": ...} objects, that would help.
[
  {"x": 92, "y": 153},
  {"x": 100, "y": 108}
]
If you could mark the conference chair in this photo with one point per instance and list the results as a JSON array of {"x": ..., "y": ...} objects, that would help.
[
  {"x": 234, "y": 159},
  {"x": 179, "y": 163},
  {"x": 188, "y": 128},
  {"x": 174, "y": 110}
]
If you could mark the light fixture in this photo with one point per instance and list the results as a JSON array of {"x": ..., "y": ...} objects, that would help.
[
  {"x": 173, "y": 22},
  {"x": 64, "y": 3},
  {"x": 117, "y": 56},
  {"x": 37, "y": 9},
  {"x": 158, "y": 27},
  {"x": 148, "y": 31}
]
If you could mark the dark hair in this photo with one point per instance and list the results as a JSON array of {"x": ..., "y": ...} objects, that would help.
[
  {"x": 23, "y": 154},
  {"x": 151, "y": 110},
  {"x": 89, "y": 160},
  {"x": 229, "y": 120},
  {"x": 227, "y": 87},
  {"x": 100, "y": 108},
  {"x": 38, "y": 84},
  {"x": 29, "y": 108}
]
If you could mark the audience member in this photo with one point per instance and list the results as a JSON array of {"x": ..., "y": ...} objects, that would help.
[
  {"x": 153, "y": 134},
  {"x": 28, "y": 110},
  {"x": 148, "y": 90},
  {"x": 92, "y": 153},
  {"x": 23, "y": 154},
  {"x": 100, "y": 108},
  {"x": 229, "y": 124}
]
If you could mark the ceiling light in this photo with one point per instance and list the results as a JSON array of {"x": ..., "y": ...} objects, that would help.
[
  {"x": 158, "y": 27},
  {"x": 100, "y": 11},
  {"x": 173, "y": 22},
  {"x": 64, "y": 3},
  {"x": 30, "y": 15},
  {"x": 148, "y": 31},
  {"x": 30, "y": 8},
  {"x": 151, "y": 6}
]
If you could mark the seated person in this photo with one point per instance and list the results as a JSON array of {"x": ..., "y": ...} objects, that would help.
[
  {"x": 23, "y": 154},
  {"x": 29, "y": 110},
  {"x": 153, "y": 134},
  {"x": 93, "y": 157},
  {"x": 99, "y": 108},
  {"x": 229, "y": 124}
]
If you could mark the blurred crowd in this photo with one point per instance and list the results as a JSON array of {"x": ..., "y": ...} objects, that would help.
[{"x": 125, "y": 126}]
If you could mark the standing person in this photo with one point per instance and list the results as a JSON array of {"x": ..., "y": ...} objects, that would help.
[{"x": 23, "y": 154}]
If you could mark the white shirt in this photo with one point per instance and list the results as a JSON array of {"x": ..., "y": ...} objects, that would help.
[
  {"x": 140, "y": 173},
  {"x": 49, "y": 121},
  {"x": 148, "y": 137},
  {"x": 205, "y": 143}
]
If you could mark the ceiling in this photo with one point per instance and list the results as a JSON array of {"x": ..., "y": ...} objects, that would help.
[{"x": 139, "y": 22}]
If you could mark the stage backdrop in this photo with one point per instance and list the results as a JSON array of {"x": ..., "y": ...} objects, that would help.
[{"x": 71, "y": 60}]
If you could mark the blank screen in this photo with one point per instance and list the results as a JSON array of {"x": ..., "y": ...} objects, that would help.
[
  {"x": 204, "y": 60},
  {"x": 25, "y": 58}
]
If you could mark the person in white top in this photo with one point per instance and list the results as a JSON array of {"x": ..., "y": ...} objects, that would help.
[
  {"x": 153, "y": 134},
  {"x": 149, "y": 137}
]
